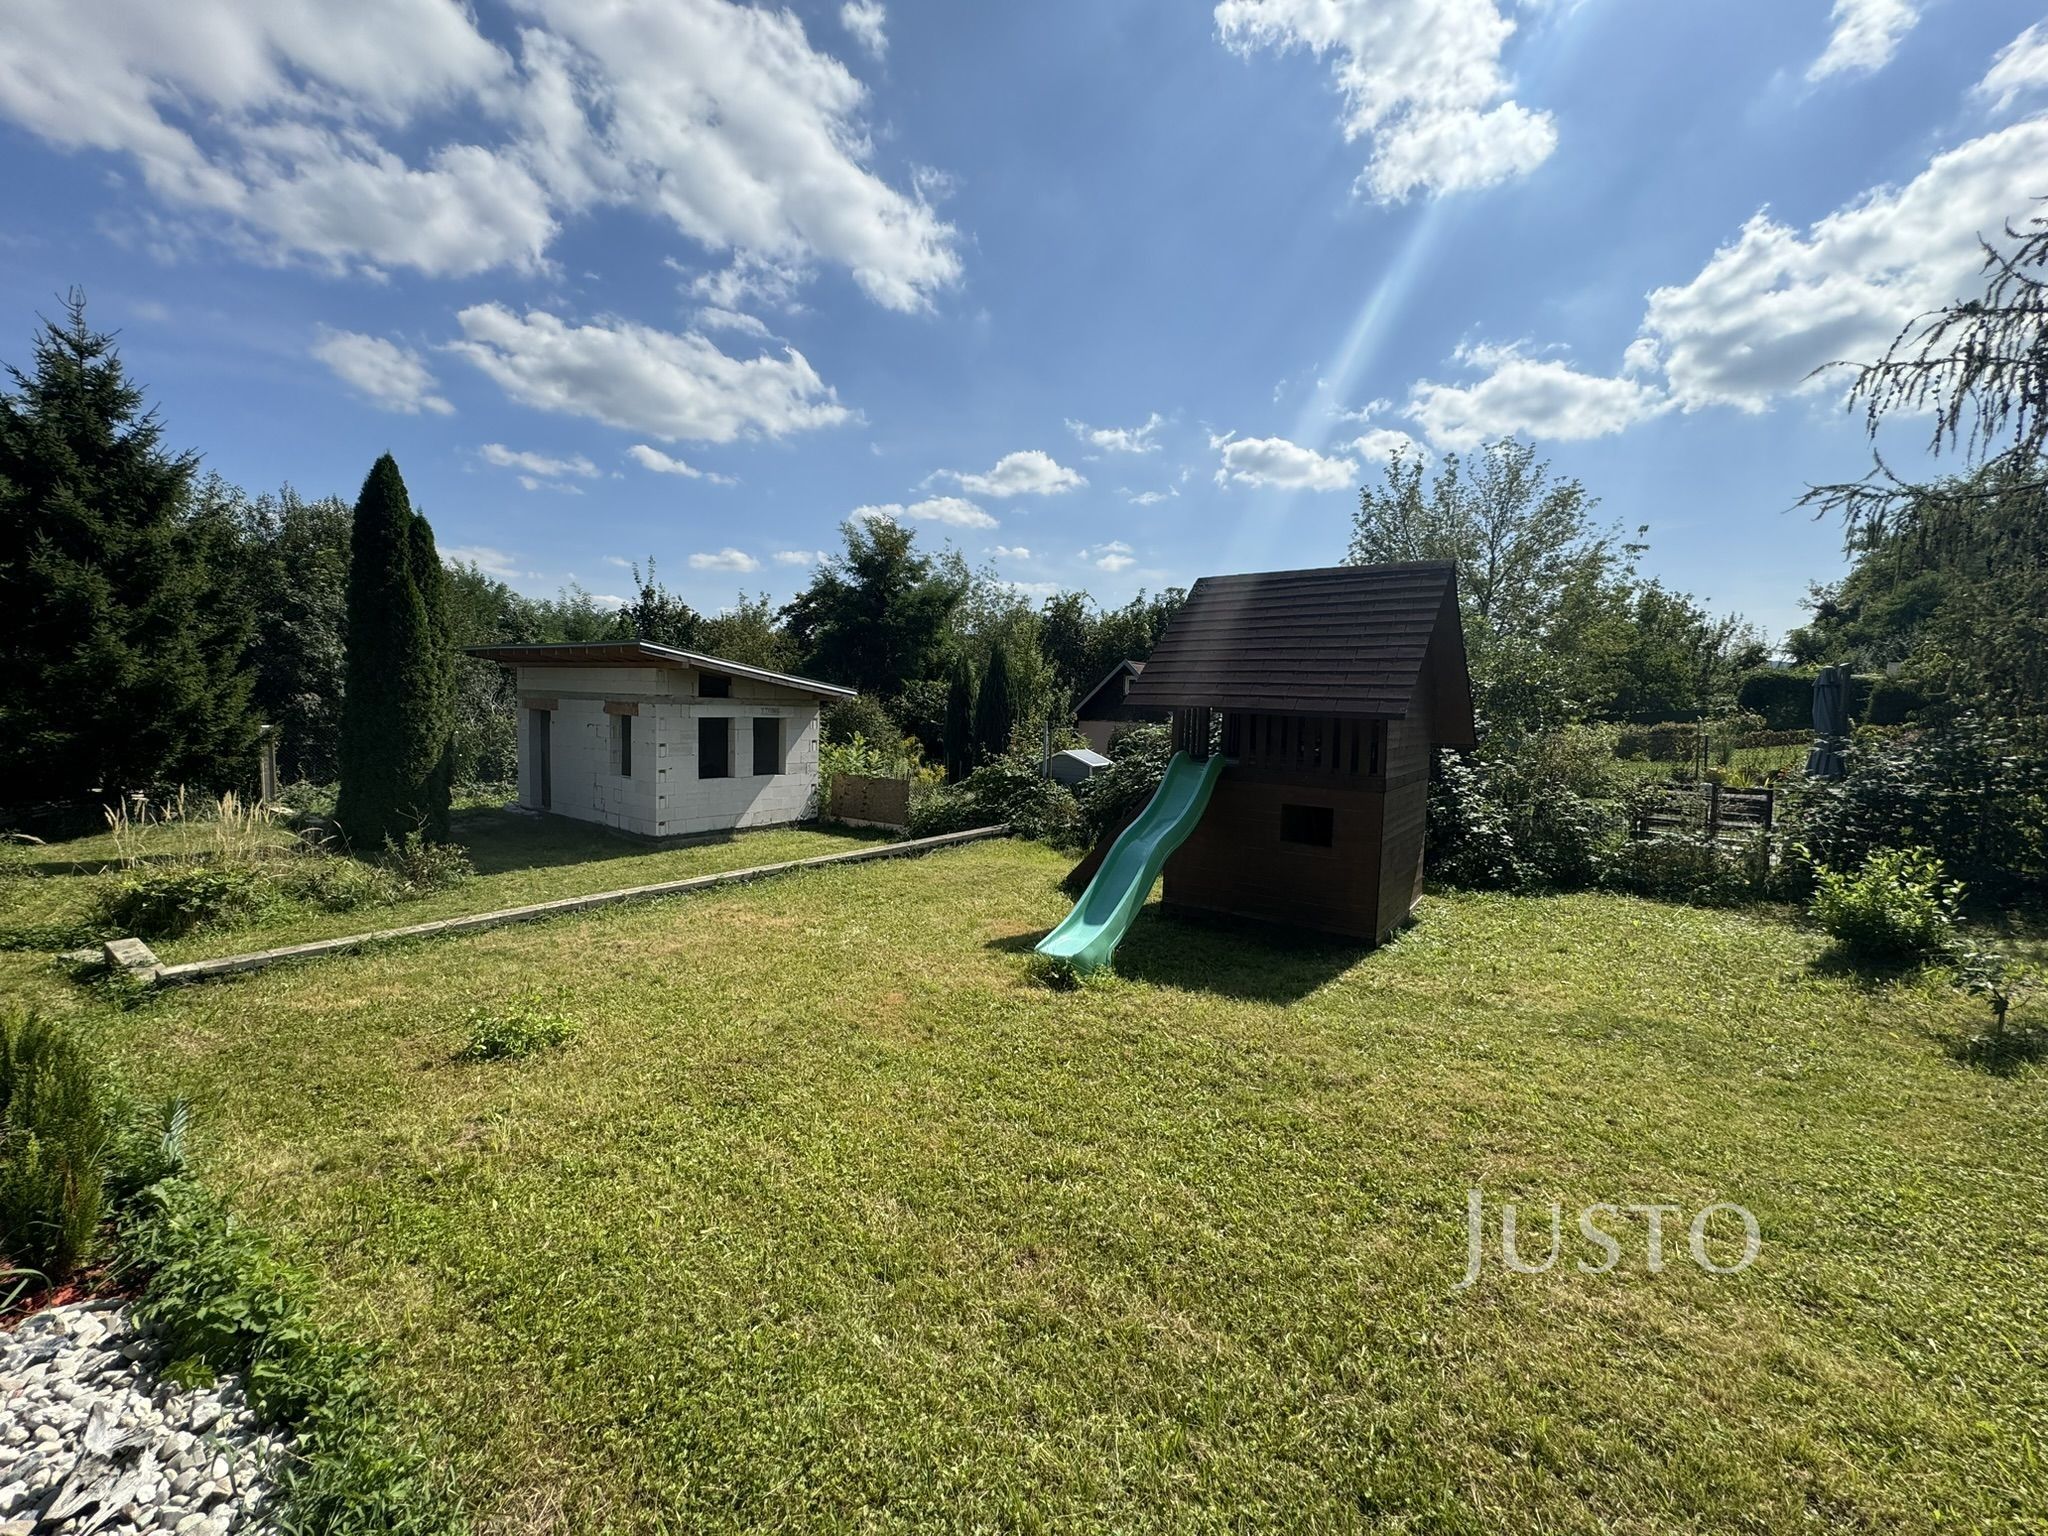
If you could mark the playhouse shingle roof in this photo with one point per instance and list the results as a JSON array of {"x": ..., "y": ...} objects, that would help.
[
  {"x": 1356, "y": 640},
  {"x": 645, "y": 653}
]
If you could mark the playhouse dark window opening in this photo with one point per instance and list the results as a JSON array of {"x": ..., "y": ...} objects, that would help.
[
  {"x": 713, "y": 685},
  {"x": 1315, "y": 826}
]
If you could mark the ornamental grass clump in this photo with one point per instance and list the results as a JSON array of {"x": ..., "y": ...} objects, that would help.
[{"x": 56, "y": 1138}]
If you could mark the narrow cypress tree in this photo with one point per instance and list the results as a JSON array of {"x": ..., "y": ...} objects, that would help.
[
  {"x": 395, "y": 711},
  {"x": 995, "y": 711},
  {"x": 959, "y": 730},
  {"x": 125, "y": 665},
  {"x": 434, "y": 722}
]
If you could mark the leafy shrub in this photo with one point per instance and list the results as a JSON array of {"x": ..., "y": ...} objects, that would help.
[
  {"x": 57, "y": 1132},
  {"x": 1965, "y": 791},
  {"x": 1897, "y": 907},
  {"x": 172, "y": 902},
  {"x": 1893, "y": 701},
  {"x": 1469, "y": 843},
  {"x": 1006, "y": 790},
  {"x": 524, "y": 1029},
  {"x": 1697, "y": 870},
  {"x": 1109, "y": 799},
  {"x": 944, "y": 808},
  {"x": 339, "y": 884},
  {"x": 425, "y": 865},
  {"x": 300, "y": 798},
  {"x": 1542, "y": 809},
  {"x": 858, "y": 718},
  {"x": 221, "y": 1300},
  {"x": 1011, "y": 789}
]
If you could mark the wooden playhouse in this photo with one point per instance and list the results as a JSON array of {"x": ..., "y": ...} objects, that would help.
[{"x": 1326, "y": 691}]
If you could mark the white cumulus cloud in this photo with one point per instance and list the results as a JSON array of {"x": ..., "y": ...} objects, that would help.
[
  {"x": 800, "y": 557},
  {"x": 2020, "y": 69},
  {"x": 640, "y": 379},
  {"x": 1031, "y": 472},
  {"x": 667, "y": 464},
  {"x": 1120, "y": 439},
  {"x": 389, "y": 376},
  {"x": 541, "y": 465},
  {"x": 1769, "y": 311},
  {"x": 1113, "y": 557},
  {"x": 492, "y": 562},
  {"x": 712, "y": 318},
  {"x": 1280, "y": 464},
  {"x": 1866, "y": 34},
  {"x": 1543, "y": 398},
  {"x": 953, "y": 511},
  {"x": 727, "y": 559},
  {"x": 1778, "y": 302},
  {"x": 1421, "y": 80},
  {"x": 1383, "y": 443},
  {"x": 866, "y": 22},
  {"x": 395, "y": 133}
]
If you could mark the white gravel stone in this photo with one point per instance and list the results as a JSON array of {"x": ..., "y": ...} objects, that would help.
[{"x": 93, "y": 1443}]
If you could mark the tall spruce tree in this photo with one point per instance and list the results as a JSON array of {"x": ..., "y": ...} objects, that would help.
[
  {"x": 959, "y": 730},
  {"x": 124, "y": 665},
  {"x": 995, "y": 711},
  {"x": 395, "y": 718}
]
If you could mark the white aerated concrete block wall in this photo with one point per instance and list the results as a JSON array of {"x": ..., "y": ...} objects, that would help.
[{"x": 666, "y": 796}]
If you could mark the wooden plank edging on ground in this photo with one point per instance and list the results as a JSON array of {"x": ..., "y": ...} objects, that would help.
[{"x": 256, "y": 960}]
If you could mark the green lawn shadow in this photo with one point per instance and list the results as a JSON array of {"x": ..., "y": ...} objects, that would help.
[{"x": 1223, "y": 956}]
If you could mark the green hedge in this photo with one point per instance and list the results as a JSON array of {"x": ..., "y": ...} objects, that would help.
[{"x": 1784, "y": 697}]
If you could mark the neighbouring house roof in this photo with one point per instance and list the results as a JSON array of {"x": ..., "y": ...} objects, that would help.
[
  {"x": 1117, "y": 673},
  {"x": 1355, "y": 640},
  {"x": 644, "y": 653}
]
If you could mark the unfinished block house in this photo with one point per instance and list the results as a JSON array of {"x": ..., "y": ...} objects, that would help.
[
  {"x": 662, "y": 742},
  {"x": 1326, "y": 692}
]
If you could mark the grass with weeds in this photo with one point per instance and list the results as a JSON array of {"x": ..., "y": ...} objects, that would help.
[
  {"x": 842, "y": 1220},
  {"x": 523, "y": 1028},
  {"x": 59, "y": 895}
]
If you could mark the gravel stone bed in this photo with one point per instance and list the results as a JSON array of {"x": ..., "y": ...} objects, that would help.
[{"x": 92, "y": 1441}]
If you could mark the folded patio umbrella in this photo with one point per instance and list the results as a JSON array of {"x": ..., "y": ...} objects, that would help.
[{"x": 1830, "y": 724}]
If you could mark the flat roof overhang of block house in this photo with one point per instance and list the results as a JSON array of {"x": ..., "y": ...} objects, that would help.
[
  {"x": 1333, "y": 687},
  {"x": 663, "y": 742}
]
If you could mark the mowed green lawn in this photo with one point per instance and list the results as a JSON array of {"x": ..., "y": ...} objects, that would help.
[
  {"x": 832, "y": 1219},
  {"x": 46, "y": 900}
]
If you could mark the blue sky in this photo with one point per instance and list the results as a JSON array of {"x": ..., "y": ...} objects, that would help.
[{"x": 1112, "y": 295}]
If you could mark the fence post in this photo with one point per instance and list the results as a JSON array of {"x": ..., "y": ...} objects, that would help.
[{"x": 1713, "y": 811}]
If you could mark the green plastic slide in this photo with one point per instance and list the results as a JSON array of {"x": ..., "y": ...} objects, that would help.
[{"x": 1090, "y": 933}]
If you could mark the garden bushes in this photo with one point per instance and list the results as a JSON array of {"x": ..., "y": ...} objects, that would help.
[
  {"x": 1967, "y": 792},
  {"x": 1111, "y": 798},
  {"x": 1896, "y": 909},
  {"x": 170, "y": 903},
  {"x": 1008, "y": 789}
]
